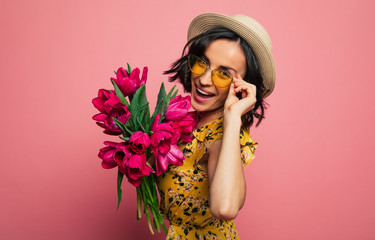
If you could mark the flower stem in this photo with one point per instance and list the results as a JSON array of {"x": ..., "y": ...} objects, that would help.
[
  {"x": 146, "y": 210},
  {"x": 139, "y": 203},
  {"x": 146, "y": 185},
  {"x": 154, "y": 205},
  {"x": 145, "y": 206},
  {"x": 156, "y": 219},
  {"x": 147, "y": 194}
]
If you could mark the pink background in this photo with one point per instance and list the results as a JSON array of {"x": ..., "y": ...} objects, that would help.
[{"x": 313, "y": 175}]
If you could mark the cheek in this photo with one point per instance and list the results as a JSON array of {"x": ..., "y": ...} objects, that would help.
[
  {"x": 223, "y": 93},
  {"x": 192, "y": 80}
]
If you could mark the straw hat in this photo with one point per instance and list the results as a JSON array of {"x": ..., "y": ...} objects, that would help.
[{"x": 248, "y": 29}]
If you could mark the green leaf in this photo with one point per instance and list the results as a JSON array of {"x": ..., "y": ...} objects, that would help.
[
  {"x": 141, "y": 126},
  {"x": 174, "y": 94},
  {"x": 119, "y": 124},
  {"x": 144, "y": 117},
  {"x": 147, "y": 119},
  {"x": 120, "y": 176},
  {"x": 129, "y": 127},
  {"x": 170, "y": 92},
  {"x": 161, "y": 105},
  {"x": 125, "y": 138},
  {"x": 119, "y": 94},
  {"x": 126, "y": 132},
  {"x": 115, "y": 72},
  {"x": 139, "y": 107},
  {"x": 129, "y": 131},
  {"x": 129, "y": 69}
]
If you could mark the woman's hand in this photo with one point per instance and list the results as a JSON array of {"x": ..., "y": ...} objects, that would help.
[{"x": 240, "y": 106}]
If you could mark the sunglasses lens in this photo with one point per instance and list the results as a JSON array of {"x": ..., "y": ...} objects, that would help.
[
  {"x": 221, "y": 78},
  {"x": 196, "y": 65}
]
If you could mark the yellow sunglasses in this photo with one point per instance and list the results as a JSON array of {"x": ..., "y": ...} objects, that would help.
[{"x": 199, "y": 67}]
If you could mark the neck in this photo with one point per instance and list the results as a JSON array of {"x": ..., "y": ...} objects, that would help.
[{"x": 205, "y": 117}]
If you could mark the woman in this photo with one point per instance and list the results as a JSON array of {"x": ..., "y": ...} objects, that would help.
[{"x": 228, "y": 68}]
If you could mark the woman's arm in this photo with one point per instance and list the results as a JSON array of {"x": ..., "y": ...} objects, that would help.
[{"x": 225, "y": 171}]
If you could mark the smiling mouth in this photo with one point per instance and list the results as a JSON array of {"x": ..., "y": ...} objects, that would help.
[
  {"x": 202, "y": 96},
  {"x": 202, "y": 93}
]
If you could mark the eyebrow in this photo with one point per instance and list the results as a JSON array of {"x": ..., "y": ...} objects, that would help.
[{"x": 205, "y": 58}]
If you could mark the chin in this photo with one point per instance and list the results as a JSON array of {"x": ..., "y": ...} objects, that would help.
[
  {"x": 198, "y": 108},
  {"x": 209, "y": 108},
  {"x": 206, "y": 103},
  {"x": 202, "y": 106}
]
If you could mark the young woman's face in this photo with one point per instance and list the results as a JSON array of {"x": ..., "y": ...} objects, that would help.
[{"x": 221, "y": 54}]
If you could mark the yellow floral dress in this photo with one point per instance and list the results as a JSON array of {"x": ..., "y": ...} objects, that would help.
[{"x": 184, "y": 190}]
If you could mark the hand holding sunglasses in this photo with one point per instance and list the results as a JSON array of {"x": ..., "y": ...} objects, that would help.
[{"x": 241, "y": 97}]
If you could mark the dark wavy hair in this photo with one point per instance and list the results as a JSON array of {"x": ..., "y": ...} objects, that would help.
[{"x": 198, "y": 45}]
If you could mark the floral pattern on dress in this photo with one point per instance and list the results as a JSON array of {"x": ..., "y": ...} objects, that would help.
[{"x": 184, "y": 190}]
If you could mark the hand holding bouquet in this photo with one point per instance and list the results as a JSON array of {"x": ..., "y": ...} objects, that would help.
[{"x": 125, "y": 112}]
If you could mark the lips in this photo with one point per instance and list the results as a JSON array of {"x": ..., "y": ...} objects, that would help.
[
  {"x": 201, "y": 95},
  {"x": 204, "y": 93}
]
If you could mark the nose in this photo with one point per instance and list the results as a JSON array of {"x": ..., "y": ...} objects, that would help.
[{"x": 206, "y": 78}]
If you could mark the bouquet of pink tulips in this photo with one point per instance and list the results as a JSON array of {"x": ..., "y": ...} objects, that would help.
[{"x": 125, "y": 111}]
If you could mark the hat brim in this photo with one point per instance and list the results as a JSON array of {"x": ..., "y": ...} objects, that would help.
[{"x": 208, "y": 21}]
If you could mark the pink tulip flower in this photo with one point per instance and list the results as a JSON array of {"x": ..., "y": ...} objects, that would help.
[
  {"x": 164, "y": 146},
  {"x": 133, "y": 165},
  {"x": 110, "y": 106},
  {"x": 178, "y": 107},
  {"x": 106, "y": 154},
  {"x": 139, "y": 142},
  {"x": 99, "y": 102},
  {"x": 173, "y": 157},
  {"x": 129, "y": 84},
  {"x": 185, "y": 126},
  {"x": 121, "y": 154},
  {"x": 183, "y": 121},
  {"x": 135, "y": 168}
]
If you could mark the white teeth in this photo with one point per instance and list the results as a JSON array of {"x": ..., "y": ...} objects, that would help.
[{"x": 201, "y": 92}]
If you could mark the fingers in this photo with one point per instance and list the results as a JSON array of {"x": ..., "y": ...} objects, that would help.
[
  {"x": 247, "y": 89},
  {"x": 231, "y": 88},
  {"x": 248, "y": 93}
]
